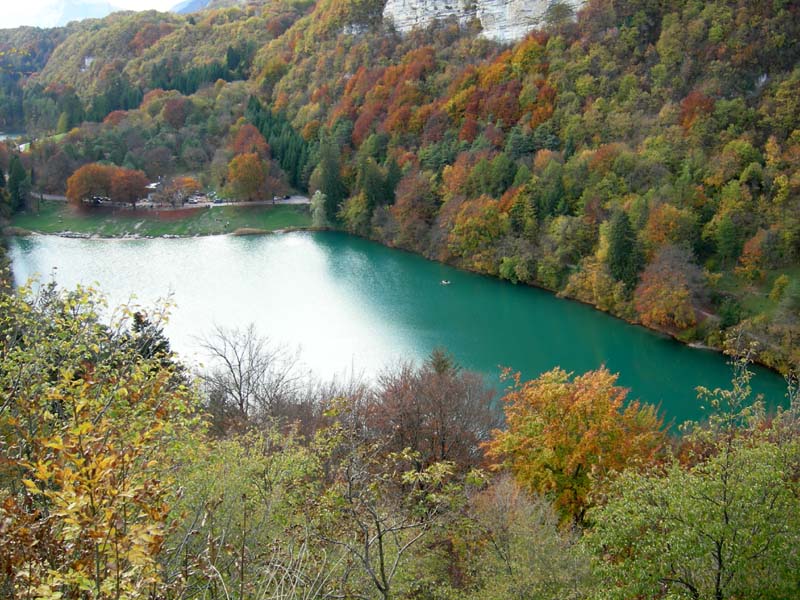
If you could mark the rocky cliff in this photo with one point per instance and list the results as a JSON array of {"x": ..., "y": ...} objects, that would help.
[{"x": 502, "y": 20}]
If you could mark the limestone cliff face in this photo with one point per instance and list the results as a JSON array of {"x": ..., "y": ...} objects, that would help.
[{"x": 502, "y": 20}]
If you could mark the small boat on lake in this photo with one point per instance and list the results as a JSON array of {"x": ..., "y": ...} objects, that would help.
[{"x": 445, "y": 282}]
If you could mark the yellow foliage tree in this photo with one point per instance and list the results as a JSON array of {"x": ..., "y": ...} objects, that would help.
[
  {"x": 87, "y": 424},
  {"x": 565, "y": 436}
]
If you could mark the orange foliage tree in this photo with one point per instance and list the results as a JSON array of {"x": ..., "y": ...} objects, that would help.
[
  {"x": 751, "y": 261},
  {"x": 127, "y": 185},
  {"x": 117, "y": 183},
  {"x": 565, "y": 436},
  {"x": 667, "y": 224},
  {"x": 247, "y": 175},
  {"x": 89, "y": 180},
  {"x": 249, "y": 140},
  {"x": 180, "y": 188},
  {"x": 694, "y": 105}
]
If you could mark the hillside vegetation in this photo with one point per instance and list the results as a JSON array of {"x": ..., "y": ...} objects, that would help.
[{"x": 643, "y": 158}]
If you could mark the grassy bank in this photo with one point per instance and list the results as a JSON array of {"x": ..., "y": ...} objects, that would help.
[{"x": 58, "y": 217}]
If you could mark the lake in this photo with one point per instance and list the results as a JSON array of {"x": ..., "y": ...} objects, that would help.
[{"x": 353, "y": 306}]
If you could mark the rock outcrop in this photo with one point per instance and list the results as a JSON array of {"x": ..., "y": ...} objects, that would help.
[{"x": 502, "y": 20}]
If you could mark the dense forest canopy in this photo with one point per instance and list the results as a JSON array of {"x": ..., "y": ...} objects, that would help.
[{"x": 641, "y": 157}]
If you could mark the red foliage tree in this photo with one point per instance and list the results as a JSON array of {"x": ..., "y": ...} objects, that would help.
[
  {"x": 115, "y": 118},
  {"x": 149, "y": 35},
  {"x": 117, "y": 183},
  {"x": 127, "y": 185},
  {"x": 469, "y": 130},
  {"x": 668, "y": 289},
  {"x": 438, "y": 410},
  {"x": 414, "y": 209},
  {"x": 693, "y": 106},
  {"x": 175, "y": 111},
  {"x": 249, "y": 140}
]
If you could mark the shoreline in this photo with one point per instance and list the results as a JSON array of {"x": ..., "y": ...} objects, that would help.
[{"x": 241, "y": 232}]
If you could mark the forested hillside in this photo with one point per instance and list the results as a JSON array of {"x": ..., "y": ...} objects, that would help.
[{"x": 642, "y": 158}]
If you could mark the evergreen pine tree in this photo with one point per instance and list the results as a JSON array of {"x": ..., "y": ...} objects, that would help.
[
  {"x": 18, "y": 184},
  {"x": 393, "y": 176},
  {"x": 624, "y": 256},
  {"x": 728, "y": 240},
  {"x": 372, "y": 183},
  {"x": 331, "y": 183}
]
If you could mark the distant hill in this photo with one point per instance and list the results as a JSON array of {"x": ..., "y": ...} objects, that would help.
[
  {"x": 76, "y": 10},
  {"x": 190, "y": 6}
]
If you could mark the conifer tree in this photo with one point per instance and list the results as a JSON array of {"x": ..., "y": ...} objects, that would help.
[
  {"x": 331, "y": 183},
  {"x": 18, "y": 183},
  {"x": 624, "y": 256}
]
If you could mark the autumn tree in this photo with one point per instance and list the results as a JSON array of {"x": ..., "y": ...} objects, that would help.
[
  {"x": 669, "y": 289},
  {"x": 127, "y": 186},
  {"x": 752, "y": 260},
  {"x": 438, "y": 410},
  {"x": 88, "y": 181},
  {"x": 87, "y": 427},
  {"x": 179, "y": 188},
  {"x": 414, "y": 209},
  {"x": 175, "y": 111},
  {"x": 249, "y": 140},
  {"x": 247, "y": 176},
  {"x": 593, "y": 284},
  {"x": 380, "y": 505},
  {"x": 120, "y": 184},
  {"x": 565, "y": 436},
  {"x": 667, "y": 224},
  {"x": 478, "y": 226}
]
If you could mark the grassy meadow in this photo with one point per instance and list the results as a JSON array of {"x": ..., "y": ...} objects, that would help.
[{"x": 58, "y": 217}]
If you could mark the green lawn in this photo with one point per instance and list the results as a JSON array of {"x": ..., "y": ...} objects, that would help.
[
  {"x": 753, "y": 296},
  {"x": 58, "y": 217}
]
